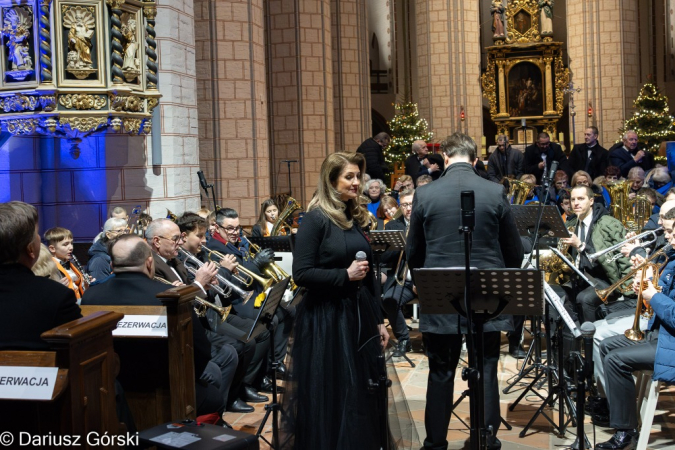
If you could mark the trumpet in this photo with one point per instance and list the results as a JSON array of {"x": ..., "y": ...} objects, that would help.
[
  {"x": 604, "y": 293},
  {"x": 593, "y": 257},
  {"x": 272, "y": 270},
  {"x": 634, "y": 333},
  {"x": 264, "y": 282},
  {"x": 245, "y": 295},
  {"x": 200, "y": 310}
]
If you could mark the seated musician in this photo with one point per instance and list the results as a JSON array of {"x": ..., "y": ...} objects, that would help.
[
  {"x": 622, "y": 356},
  {"x": 99, "y": 259},
  {"x": 29, "y": 304},
  {"x": 60, "y": 245},
  {"x": 193, "y": 228},
  {"x": 636, "y": 177},
  {"x": 395, "y": 294},
  {"x": 133, "y": 266},
  {"x": 226, "y": 240},
  {"x": 269, "y": 213},
  {"x": 595, "y": 230}
]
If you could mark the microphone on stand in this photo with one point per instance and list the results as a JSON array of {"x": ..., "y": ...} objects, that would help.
[
  {"x": 587, "y": 332},
  {"x": 202, "y": 180},
  {"x": 289, "y": 160},
  {"x": 468, "y": 210}
]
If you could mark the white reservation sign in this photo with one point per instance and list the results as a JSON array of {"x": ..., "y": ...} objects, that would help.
[
  {"x": 27, "y": 383},
  {"x": 142, "y": 325}
]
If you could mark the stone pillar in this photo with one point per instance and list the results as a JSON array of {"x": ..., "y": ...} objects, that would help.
[
  {"x": 232, "y": 93},
  {"x": 448, "y": 66},
  {"x": 602, "y": 43},
  {"x": 351, "y": 73},
  {"x": 301, "y": 93},
  {"x": 118, "y": 170}
]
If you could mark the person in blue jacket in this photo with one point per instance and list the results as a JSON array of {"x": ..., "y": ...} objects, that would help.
[{"x": 656, "y": 351}]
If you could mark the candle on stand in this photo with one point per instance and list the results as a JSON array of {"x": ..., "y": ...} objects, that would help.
[{"x": 561, "y": 137}]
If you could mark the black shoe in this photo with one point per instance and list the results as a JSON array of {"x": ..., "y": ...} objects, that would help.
[
  {"x": 517, "y": 351},
  {"x": 281, "y": 370},
  {"x": 622, "y": 440},
  {"x": 493, "y": 443},
  {"x": 240, "y": 406},
  {"x": 251, "y": 395},
  {"x": 404, "y": 346},
  {"x": 267, "y": 384}
]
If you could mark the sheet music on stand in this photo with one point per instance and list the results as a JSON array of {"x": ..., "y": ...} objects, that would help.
[
  {"x": 394, "y": 240},
  {"x": 551, "y": 220}
]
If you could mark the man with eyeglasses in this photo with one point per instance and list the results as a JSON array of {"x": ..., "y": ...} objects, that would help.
[
  {"x": 539, "y": 156},
  {"x": 395, "y": 294}
]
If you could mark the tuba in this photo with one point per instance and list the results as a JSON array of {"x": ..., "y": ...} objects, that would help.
[
  {"x": 292, "y": 205},
  {"x": 639, "y": 211},
  {"x": 621, "y": 206},
  {"x": 272, "y": 270},
  {"x": 518, "y": 191}
]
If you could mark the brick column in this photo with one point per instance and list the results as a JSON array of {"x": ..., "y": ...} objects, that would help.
[
  {"x": 448, "y": 66},
  {"x": 301, "y": 92},
  {"x": 351, "y": 74},
  {"x": 603, "y": 46},
  {"x": 231, "y": 88}
]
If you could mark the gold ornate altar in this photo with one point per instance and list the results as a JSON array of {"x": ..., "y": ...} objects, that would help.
[
  {"x": 74, "y": 68},
  {"x": 525, "y": 74}
]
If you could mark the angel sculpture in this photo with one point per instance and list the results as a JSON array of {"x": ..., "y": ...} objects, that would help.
[
  {"x": 131, "y": 47},
  {"x": 17, "y": 25},
  {"x": 80, "y": 22}
]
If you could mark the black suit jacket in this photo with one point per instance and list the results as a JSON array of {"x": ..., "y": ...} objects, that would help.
[
  {"x": 31, "y": 305},
  {"x": 413, "y": 166},
  {"x": 434, "y": 240},
  {"x": 162, "y": 269},
  {"x": 135, "y": 288},
  {"x": 598, "y": 163},
  {"x": 372, "y": 151},
  {"x": 532, "y": 158},
  {"x": 623, "y": 159},
  {"x": 514, "y": 165}
]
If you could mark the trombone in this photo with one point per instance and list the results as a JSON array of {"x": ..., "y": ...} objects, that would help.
[
  {"x": 272, "y": 270},
  {"x": 246, "y": 280},
  {"x": 200, "y": 310},
  {"x": 595, "y": 256},
  {"x": 604, "y": 293},
  {"x": 245, "y": 295}
]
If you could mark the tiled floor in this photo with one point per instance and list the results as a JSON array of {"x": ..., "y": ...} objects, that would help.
[{"x": 539, "y": 436}]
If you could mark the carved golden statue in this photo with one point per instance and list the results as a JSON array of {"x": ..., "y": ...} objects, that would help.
[{"x": 81, "y": 23}]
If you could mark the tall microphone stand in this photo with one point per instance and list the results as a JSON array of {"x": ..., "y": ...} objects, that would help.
[{"x": 288, "y": 163}]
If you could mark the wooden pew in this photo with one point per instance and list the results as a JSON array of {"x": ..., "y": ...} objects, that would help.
[
  {"x": 158, "y": 374},
  {"x": 83, "y": 400}
]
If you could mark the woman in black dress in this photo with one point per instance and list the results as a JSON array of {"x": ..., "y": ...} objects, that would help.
[{"x": 339, "y": 331}]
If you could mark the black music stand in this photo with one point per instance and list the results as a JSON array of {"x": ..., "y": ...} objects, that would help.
[
  {"x": 276, "y": 243},
  {"x": 380, "y": 242},
  {"x": 527, "y": 222},
  {"x": 264, "y": 321},
  {"x": 493, "y": 292}
]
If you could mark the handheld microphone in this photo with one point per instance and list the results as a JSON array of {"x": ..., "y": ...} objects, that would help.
[
  {"x": 289, "y": 160},
  {"x": 468, "y": 210},
  {"x": 361, "y": 256},
  {"x": 587, "y": 332},
  {"x": 202, "y": 180}
]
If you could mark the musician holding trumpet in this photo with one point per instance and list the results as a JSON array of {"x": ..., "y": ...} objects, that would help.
[{"x": 622, "y": 355}]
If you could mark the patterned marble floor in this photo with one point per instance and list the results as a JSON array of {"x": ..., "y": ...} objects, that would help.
[{"x": 539, "y": 436}]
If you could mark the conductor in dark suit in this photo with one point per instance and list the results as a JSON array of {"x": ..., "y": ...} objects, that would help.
[
  {"x": 29, "y": 305},
  {"x": 434, "y": 241},
  {"x": 590, "y": 156},
  {"x": 538, "y": 157}
]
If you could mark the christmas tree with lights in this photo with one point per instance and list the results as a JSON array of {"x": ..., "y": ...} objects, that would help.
[
  {"x": 651, "y": 120},
  {"x": 406, "y": 127}
]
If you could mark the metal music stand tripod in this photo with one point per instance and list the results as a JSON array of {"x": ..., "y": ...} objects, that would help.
[
  {"x": 551, "y": 224},
  {"x": 382, "y": 241},
  {"x": 264, "y": 322},
  {"x": 490, "y": 292}
]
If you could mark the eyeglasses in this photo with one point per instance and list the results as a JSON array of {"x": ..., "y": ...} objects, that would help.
[
  {"x": 120, "y": 231},
  {"x": 406, "y": 205},
  {"x": 174, "y": 239},
  {"x": 232, "y": 229}
]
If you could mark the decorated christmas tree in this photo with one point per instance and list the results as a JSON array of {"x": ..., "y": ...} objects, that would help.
[
  {"x": 651, "y": 120},
  {"x": 406, "y": 127}
]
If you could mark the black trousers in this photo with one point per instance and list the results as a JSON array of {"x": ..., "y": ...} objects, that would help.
[
  {"x": 622, "y": 357},
  {"x": 219, "y": 373},
  {"x": 394, "y": 299},
  {"x": 282, "y": 332},
  {"x": 587, "y": 302},
  {"x": 444, "y": 351}
]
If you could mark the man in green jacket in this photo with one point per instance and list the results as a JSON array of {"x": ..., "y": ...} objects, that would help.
[{"x": 594, "y": 230}]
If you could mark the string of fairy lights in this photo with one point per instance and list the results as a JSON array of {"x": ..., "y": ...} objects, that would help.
[
  {"x": 406, "y": 127},
  {"x": 651, "y": 120}
]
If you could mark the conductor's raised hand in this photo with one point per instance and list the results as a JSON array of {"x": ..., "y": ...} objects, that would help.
[{"x": 357, "y": 270}]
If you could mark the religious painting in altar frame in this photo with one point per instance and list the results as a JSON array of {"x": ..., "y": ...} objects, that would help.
[{"x": 525, "y": 90}]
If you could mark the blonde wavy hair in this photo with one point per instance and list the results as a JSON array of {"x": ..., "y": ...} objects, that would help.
[
  {"x": 327, "y": 198},
  {"x": 45, "y": 265}
]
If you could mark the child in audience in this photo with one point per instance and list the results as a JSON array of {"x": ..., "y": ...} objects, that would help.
[{"x": 60, "y": 245}]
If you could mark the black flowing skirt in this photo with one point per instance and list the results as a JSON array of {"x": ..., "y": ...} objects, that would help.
[{"x": 330, "y": 400}]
